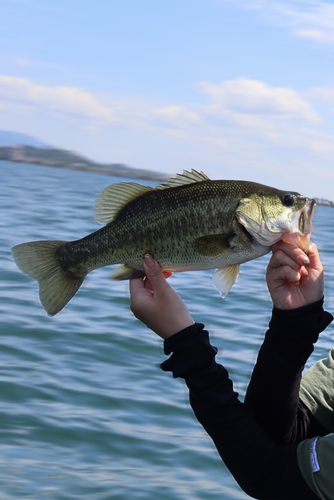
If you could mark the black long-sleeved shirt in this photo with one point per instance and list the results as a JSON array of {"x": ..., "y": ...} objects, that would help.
[{"x": 264, "y": 467}]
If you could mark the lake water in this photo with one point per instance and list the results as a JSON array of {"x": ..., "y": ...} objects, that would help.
[{"x": 86, "y": 412}]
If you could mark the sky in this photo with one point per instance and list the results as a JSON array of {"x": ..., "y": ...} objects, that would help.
[{"x": 238, "y": 89}]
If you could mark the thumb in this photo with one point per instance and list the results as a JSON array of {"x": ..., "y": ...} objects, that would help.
[{"x": 154, "y": 273}]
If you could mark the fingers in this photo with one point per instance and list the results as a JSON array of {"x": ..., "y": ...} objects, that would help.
[
  {"x": 136, "y": 284},
  {"x": 139, "y": 294},
  {"x": 287, "y": 264},
  {"x": 293, "y": 278},
  {"x": 314, "y": 257},
  {"x": 148, "y": 291},
  {"x": 290, "y": 253},
  {"x": 286, "y": 254},
  {"x": 154, "y": 302},
  {"x": 284, "y": 273},
  {"x": 154, "y": 274},
  {"x": 154, "y": 278}
]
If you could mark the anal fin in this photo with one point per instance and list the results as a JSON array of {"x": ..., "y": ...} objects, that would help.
[
  {"x": 125, "y": 272},
  {"x": 225, "y": 277}
]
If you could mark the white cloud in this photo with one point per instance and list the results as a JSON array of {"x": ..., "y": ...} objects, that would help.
[
  {"x": 313, "y": 19},
  {"x": 240, "y": 103},
  {"x": 247, "y": 114},
  {"x": 66, "y": 100},
  {"x": 245, "y": 96},
  {"x": 317, "y": 35},
  {"x": 177, "y": 112},
  {"x": 323, "y": 93},
  {"x": 233, "y": 107},
  {"x": 245, "y": 124},
  {"x": 248, "y": 119},
  {"x": 22, "y": 62}
]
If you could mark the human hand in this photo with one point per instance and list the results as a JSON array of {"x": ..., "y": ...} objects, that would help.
[
  {"x": 292, "y": 280},
  {"x": 154, "y": 302}
]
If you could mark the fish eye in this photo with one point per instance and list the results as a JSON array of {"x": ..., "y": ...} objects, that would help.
[{"x": 288, "y": 200}]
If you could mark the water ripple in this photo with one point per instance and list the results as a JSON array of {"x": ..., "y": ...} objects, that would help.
[{"x": 85, "y": 410}]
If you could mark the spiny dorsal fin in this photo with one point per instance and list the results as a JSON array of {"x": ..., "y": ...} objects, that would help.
[
  {"x": 185, "y": 178},
  {"x": 114, "y": 197}
]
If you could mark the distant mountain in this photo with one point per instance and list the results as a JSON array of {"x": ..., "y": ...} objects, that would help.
[
  {"x": 13, "y": 138},
  {"x": 61, "y": 158},
  {"x": 327, "y": 203}
]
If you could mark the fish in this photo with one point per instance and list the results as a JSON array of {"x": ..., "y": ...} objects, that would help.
[{"x": 187, "y": 223}]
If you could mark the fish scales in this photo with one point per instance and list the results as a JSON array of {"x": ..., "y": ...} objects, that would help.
[
  {"x": 190, "y": 223},
  {"x": 157, "y": 223},
  {"x": 168, "y": 220}
]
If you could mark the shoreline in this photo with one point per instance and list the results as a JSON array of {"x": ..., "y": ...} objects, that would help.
[
  {"x": 132, "y": 174},
  {"x": 58, "y": 158}
]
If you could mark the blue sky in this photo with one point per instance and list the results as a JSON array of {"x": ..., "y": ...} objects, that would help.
[{"x": 238, "y": 89}]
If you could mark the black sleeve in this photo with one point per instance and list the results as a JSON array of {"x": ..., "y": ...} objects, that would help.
[
  {"x": 263, "y": 469},
  {"x": 273, "y": 391}
]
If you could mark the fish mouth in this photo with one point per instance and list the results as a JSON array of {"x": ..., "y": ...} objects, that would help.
[
  {"x": 303, "y": 228},
  {"x": 297, "y": 230}
]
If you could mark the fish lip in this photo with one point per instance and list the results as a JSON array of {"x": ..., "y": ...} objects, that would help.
[
  {"x": 308, "y": 211},
  {"x": 302, "y": 238},
  {"x": 312, "y": 206}
]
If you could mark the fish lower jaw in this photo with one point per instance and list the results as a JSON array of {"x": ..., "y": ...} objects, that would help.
[{"x": 300, "y": 240}]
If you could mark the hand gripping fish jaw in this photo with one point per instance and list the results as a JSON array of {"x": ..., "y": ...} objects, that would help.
[{"x": 287, "y": 218}]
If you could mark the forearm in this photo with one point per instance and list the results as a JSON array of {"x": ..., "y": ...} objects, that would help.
[
  {"x": 255, "y": 461},
  {"x": 273, "y": 392}
]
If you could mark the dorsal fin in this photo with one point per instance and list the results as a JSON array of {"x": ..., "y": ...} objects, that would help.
[
  {"x": 114, "y": 197},
  {"x": 185, "y": 178}
]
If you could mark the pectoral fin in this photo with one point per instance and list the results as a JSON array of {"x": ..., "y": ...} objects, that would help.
[
  {"x": 225, "y": 277},
  {"x": 125, "y": 272},
  {"x": 212, "y": 244}
]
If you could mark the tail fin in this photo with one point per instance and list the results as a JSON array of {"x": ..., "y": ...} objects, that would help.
[{"x": 38, "y": 260}]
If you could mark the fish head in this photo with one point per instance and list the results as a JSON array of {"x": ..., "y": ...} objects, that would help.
[{"x": 277, "y": 215}]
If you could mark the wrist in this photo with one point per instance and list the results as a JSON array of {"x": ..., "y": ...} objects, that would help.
[
  {"x": 180, "y": 338},
  {"x": 300, "y": 323},
  {"x": 172, "y": 329},
  {"x": 191, "y": 351}
]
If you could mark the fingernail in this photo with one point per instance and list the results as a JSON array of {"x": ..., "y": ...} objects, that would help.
[
  {"x": 148, "y": 259},
  {"x": 304, "y": 271},
  {"x": 305, "y": 260}
]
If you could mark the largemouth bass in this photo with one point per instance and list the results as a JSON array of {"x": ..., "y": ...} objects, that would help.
[{"x": 189, "y": 223}]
